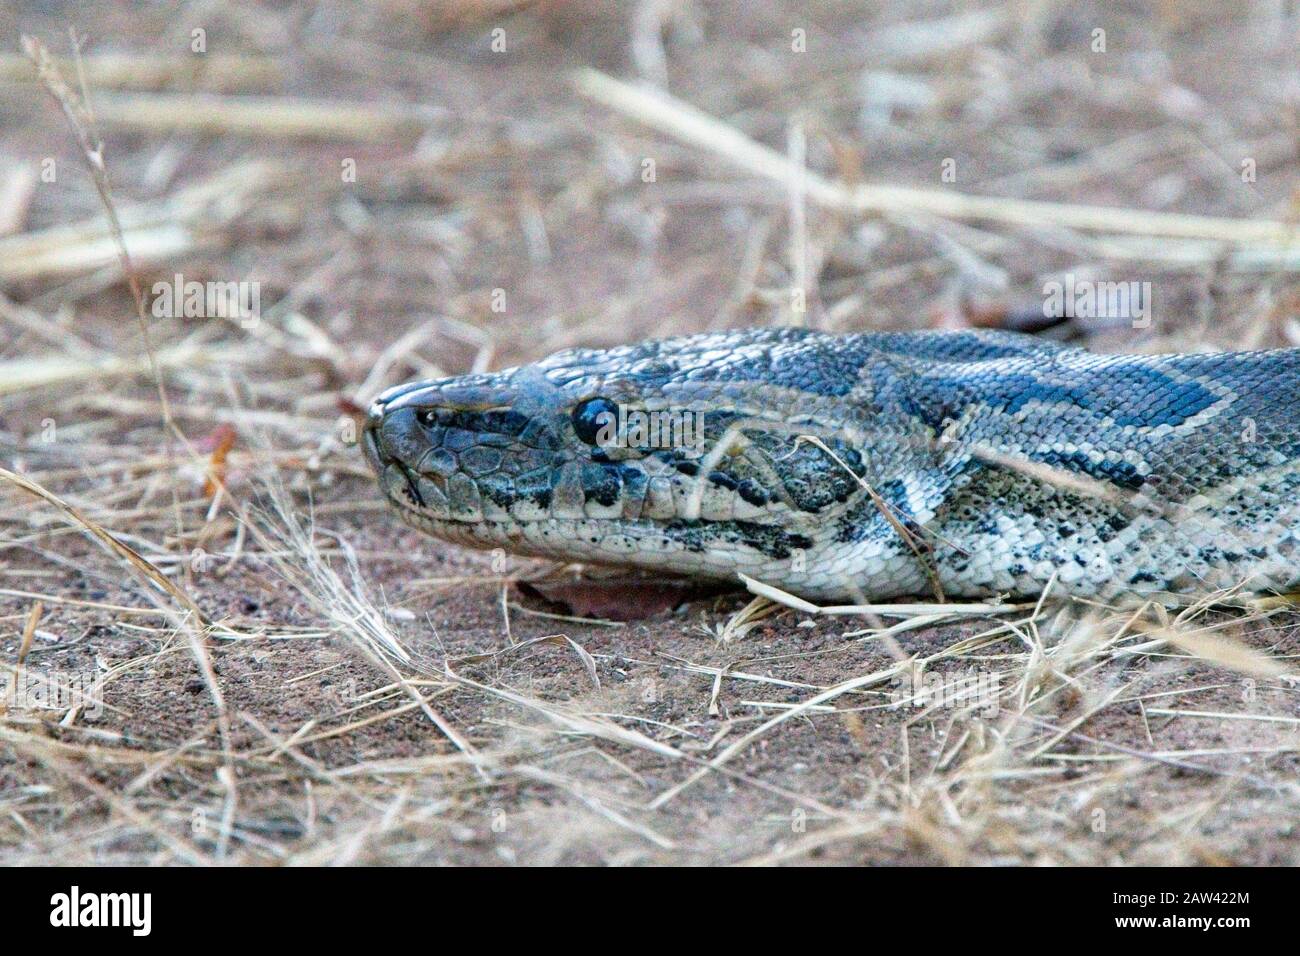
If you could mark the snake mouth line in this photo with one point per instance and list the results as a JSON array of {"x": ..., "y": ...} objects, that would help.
[
  {"x": 521, "y": 537},
  {"x": 469, "y": 523},
  {"x": 490, "y": 524}
]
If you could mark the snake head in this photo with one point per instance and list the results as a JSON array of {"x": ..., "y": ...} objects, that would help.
[{"x": 681, "y": 455}]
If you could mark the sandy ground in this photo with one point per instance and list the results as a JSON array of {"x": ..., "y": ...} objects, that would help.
[{"x": 475, "y": 210}]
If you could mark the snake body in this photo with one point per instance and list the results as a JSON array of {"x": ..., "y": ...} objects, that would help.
[{"x": 867, "y": 466}]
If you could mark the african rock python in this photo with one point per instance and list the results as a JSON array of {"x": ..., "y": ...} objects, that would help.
[{"x": 868, "y": 465}]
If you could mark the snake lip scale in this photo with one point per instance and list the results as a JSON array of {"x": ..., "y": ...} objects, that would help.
[{"x": 866, "y": 465}]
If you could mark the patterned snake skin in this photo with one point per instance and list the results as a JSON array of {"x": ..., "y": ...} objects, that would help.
[{"x": 871, "y": 465}]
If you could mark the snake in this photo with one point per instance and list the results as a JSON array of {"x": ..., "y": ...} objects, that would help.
[{"x": 866, "y": 466}]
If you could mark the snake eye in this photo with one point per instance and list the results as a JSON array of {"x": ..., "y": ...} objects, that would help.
[
  {"x": 593, "y": 416},
  {"x": 427, "y": 417}
]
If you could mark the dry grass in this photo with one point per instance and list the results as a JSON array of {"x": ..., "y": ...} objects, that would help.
[{"x": 285, "y": 675}]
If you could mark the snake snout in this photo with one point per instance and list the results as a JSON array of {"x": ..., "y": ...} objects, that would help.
[
  {"x": 467, "y": 450},
  {"x": 404, "y": 422}
]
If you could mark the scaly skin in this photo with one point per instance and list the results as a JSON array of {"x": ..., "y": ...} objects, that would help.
[{"x": 871, "y": 465}]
